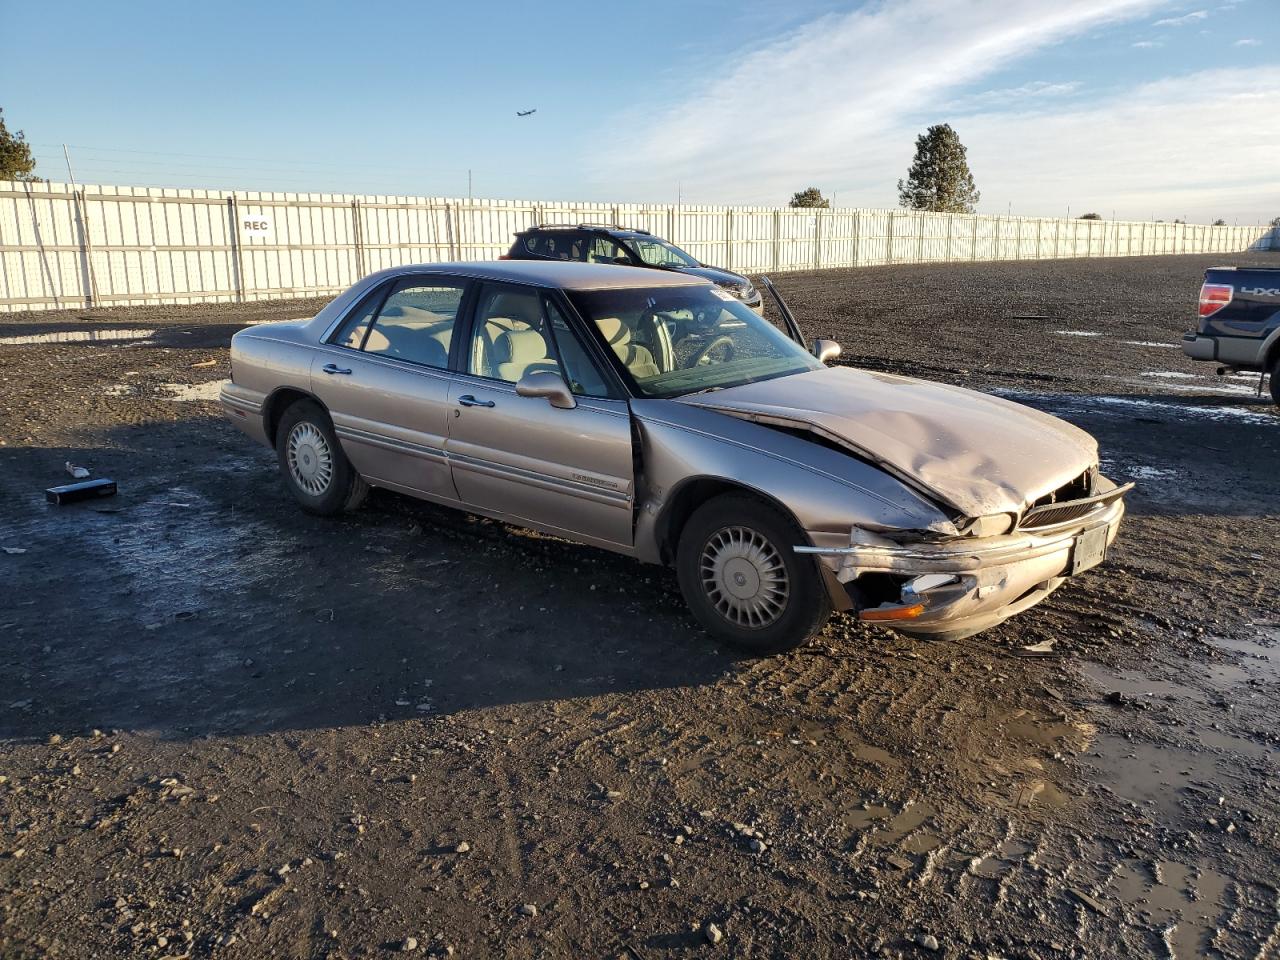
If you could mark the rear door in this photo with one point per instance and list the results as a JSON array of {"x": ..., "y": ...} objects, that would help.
[
  {"x": 567, "y": 471},
  {"x": 384, "y": 376}
]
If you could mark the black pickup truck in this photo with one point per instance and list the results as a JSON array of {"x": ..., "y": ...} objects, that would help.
[{"x": 1239, "y": 321}]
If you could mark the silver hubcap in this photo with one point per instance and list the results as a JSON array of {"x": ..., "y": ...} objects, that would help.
[
  {"x": 744, "y": 577},
  {"x": 310, "y": 459}
]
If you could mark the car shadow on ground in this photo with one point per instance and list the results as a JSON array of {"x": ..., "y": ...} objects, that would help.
[{"x": 200, "y": 600}]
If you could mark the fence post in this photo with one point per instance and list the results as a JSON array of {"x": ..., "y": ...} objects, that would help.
[
  {"x": 357, "y": 245},
  {"x": 888, "y": 249},
  {"x": 449, "y": 230},
  {"x": 237, "y": 254},
  {"x": 973, "y": 250},
  {"x": 728, "y": 238},
  {"x": 857, "y": 236},
  {"x": 777, "y": 237},
  {"x": 86, "y": 248},
  {"x": 918, "y": 226},
  {"x": 817, "y": 239}
]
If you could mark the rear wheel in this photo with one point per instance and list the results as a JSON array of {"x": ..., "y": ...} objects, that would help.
[
  {"x": 1275, "y": 381},
  {"x": 743, "y": 580},
  {"x": 314, "y": 468}
]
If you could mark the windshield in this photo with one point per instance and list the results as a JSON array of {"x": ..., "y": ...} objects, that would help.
[
  {"x": 659, "y": 253},
  {"x": 672, "y": 341}
]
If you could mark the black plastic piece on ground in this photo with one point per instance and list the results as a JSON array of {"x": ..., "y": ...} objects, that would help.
[{"x": 85, "y": 490}]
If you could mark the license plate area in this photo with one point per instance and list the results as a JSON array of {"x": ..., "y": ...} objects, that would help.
[{"x": 1090, "y": 550}]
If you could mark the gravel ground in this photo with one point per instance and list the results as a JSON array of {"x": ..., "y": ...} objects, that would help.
[{"x": 231, "y": 730}]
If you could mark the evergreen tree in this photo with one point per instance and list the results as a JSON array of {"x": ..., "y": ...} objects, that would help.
[
  {"x": 809, "y": 198},
  {"x": 939, "y": 179},
  {"x": 16, "y": 161}
]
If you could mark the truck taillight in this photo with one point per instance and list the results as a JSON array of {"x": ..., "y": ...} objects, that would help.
[{"x": 1214, "y": 296}]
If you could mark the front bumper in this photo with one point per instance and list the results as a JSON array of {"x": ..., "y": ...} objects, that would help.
[{"x": 978, "y": 582}]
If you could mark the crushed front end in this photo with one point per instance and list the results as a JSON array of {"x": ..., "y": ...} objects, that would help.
[{"x": 931, "y": 585}]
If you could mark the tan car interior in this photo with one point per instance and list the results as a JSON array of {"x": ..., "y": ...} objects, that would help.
[
  {"x": 637, "y": 359},
  {"x": 407, "y": 332},
  {"x": 509, "y": 341}
]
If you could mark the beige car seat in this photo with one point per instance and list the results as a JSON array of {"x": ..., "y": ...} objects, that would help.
[
  {"x": 508, "y": 313},
  {"x": 635, "y": 358},
  {"x": 526, "y": 351}
]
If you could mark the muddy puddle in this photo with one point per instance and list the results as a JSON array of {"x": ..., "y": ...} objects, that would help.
[{"x": 1192, "y": 774}]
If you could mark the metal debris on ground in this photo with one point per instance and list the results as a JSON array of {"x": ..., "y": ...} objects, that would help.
[{"x": 85, "y": 490}]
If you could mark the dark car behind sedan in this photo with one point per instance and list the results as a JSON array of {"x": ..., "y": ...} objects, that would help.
[{"x": 599, "y": 243}]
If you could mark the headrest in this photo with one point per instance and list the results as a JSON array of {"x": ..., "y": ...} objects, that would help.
[
  {"x": 518, "y": 306},
  {"x": 617, "y": 333},
  {"x": 524, "y": 346}
]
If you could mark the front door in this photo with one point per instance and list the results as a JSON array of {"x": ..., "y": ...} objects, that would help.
[
  {"x": 384, "y": 376},
  {"x": 562, "y": 470}
]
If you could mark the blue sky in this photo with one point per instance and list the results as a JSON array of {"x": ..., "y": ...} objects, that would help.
[{"x": 1141, "y": 107}]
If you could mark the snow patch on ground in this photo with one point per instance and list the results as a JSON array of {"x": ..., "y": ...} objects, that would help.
[
  {"x": 78, "y": 336},
  {"x": 195, "y": 391},
  {"x": 1123, "y": 406},
  {"x": 1077, "y": 333}
]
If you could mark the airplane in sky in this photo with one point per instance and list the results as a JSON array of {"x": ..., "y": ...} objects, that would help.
[{"x": 525, "y": 113}]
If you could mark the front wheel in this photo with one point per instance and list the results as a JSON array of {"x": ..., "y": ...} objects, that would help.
[
  {"x": 743, "y": 580},
  {"x": 314, "y": 468}
]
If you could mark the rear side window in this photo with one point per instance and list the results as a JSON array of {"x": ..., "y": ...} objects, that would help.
[
  {"x": 415, "y": 322},
  {"x": 556, "y": 246}
]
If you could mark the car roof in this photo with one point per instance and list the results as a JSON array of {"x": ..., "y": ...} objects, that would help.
[{"x": 562, "y": 274}]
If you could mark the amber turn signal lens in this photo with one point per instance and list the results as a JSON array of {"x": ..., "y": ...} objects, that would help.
[{"x": 892, "y": 613}]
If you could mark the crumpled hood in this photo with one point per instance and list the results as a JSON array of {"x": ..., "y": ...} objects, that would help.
[{"x": 976, "y": 453}]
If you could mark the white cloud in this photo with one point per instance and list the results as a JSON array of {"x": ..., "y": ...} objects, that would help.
[
  {"x": 1015, "y": 95},
  {"x": 1134, "y": 153},
  {"x": 840, "y": 103},
  {"x": 824, "y": 98},
  {"x": 1148, "y": 44},
  {"x": 1183, "y": 20},
  {"x": 1248, "y": 42}
]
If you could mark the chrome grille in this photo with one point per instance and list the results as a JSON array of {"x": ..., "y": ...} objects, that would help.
[{"x": 1070, "y": 511}]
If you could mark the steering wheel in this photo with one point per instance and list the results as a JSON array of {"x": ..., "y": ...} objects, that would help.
[{"x": 715, "y": 342}]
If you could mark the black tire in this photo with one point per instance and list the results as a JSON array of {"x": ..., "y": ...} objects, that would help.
[
  {"x": 342, "y": 488},
  {"x": 800, "y": 615},
  {"x": 1275, "y": 381}
]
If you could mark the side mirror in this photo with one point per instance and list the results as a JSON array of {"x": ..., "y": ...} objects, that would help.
[
  {"x": 826, "y": 350},
  {"x": 544, "y": 383}
]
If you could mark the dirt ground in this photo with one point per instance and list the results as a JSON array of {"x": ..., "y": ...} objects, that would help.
[{"x": 228, "y": 729}]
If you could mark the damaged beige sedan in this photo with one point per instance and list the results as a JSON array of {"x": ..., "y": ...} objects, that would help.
[{"x": 656, "y": 416}]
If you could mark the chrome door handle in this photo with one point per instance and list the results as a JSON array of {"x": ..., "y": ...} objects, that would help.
[
  {"x": 467, "y": 400},
  {"x": 332, "y": 368}
]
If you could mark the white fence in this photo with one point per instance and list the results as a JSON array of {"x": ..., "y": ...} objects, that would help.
[{"x": 104, "y": 246}]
